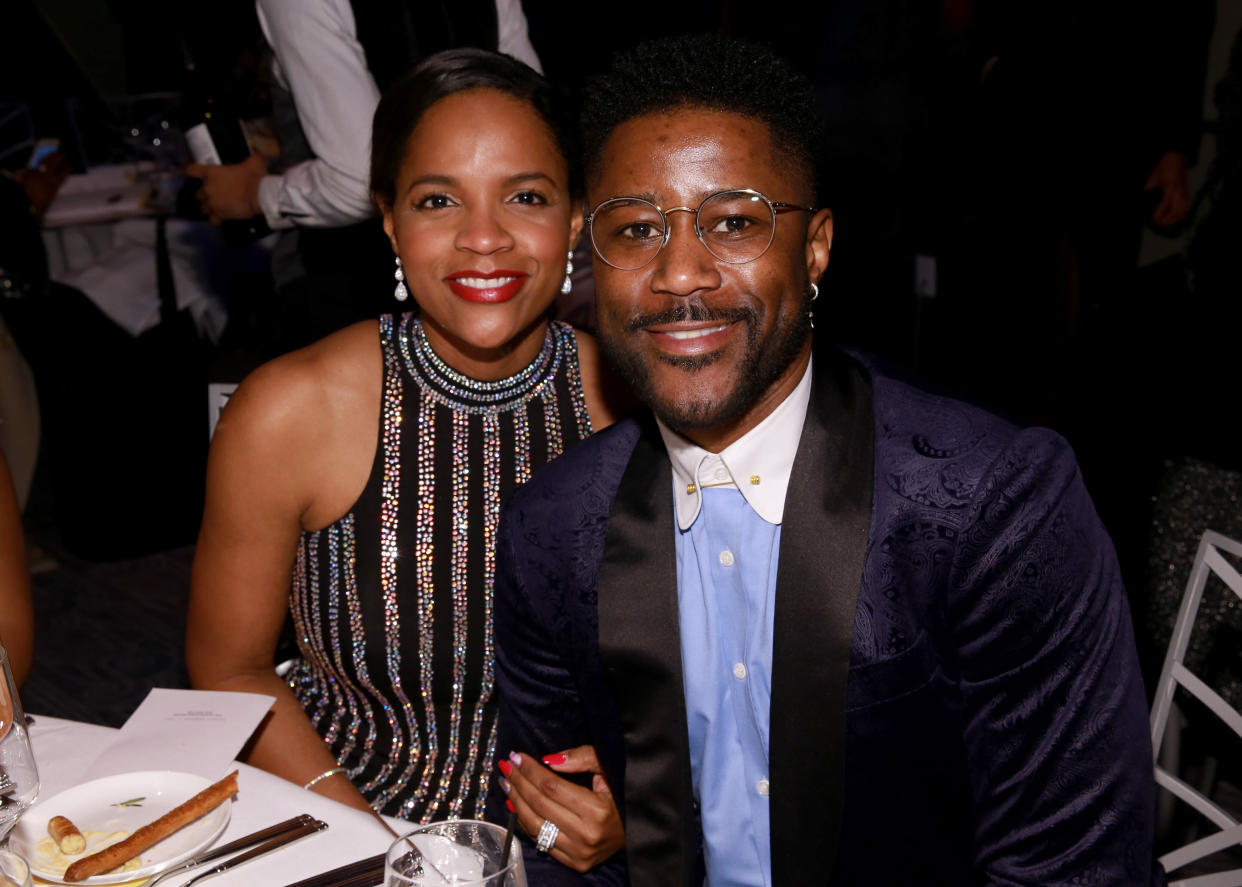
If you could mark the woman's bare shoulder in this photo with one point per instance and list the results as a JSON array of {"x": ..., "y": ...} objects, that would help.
[
  {"x": 299, "y": 393},
  {"x": 302, "y": 429},
  {"x": 608, "y": 398}
]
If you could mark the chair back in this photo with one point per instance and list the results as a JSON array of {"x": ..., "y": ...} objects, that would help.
[{"x": 1209, "y": 560}]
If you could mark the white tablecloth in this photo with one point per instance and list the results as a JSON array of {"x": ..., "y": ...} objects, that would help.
[{"x": 64, "y": 750}]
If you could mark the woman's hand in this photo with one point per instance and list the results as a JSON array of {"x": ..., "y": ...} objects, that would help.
[{"x": 590, "y": 824}]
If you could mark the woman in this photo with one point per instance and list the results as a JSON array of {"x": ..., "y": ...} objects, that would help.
[
  {"x": 371, "y": 465},
  {"x": 16, "y": 604}
]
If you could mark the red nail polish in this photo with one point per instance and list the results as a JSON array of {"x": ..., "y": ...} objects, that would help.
[
  {"x": 554, "y": 760},
  {"x": 509, "y": 804},
  {"x": 504, "y": 766}
]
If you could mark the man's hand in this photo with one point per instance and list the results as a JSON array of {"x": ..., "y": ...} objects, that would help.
[
  {"x": 590, "y": 824},
  {"x": 1169, "y": 178},
  {"x": 232, "y": 191}
]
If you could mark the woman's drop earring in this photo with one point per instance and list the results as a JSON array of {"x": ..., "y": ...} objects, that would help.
[
  {"x": 400, "y": 293},
  {"x": 569, "y": 269}
]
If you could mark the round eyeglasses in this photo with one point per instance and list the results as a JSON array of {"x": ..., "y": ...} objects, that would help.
[{"x": 735, "y": 226}]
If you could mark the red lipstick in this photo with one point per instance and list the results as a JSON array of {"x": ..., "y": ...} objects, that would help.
[{"x": 486, "y": 287}]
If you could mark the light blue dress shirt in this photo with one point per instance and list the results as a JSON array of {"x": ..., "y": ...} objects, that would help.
[
  {"x": 726, "y": 582},
  {"x": 729, "y": 508}
]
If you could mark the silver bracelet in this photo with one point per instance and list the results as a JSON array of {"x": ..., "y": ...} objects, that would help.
[{"x": 324, "y": 775}]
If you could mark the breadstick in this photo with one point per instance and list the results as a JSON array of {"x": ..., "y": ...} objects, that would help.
[
  {"x": 66, "y": 835},
  {"x": 120, "y": 853}
]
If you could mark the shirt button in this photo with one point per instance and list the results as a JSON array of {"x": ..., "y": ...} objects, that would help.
[
  {"x": 763, "y": 787},
  {"x": 739, "y": 671},
  {"x": 726, "y": 557},
  {"x": 722, "y": 475}
]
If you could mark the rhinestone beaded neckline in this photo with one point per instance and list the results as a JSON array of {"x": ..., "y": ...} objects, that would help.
[{"x": 462, "y": 392}]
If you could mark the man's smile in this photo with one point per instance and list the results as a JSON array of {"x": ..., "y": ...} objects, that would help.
[
  {"x": 691, "y": 334},
  {"x": 678, "y": 342}
]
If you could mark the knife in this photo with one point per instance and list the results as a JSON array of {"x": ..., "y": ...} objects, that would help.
[
  {"x": 268, "y": 846},
  {"x": 243, "y": 843},
  {"x": 363, "y": 873}
]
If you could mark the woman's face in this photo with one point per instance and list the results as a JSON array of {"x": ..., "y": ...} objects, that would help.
[{"x": 482, "y": 221}]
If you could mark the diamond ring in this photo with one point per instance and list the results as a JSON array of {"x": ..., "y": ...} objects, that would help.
[{"x": 547, "y": 836}]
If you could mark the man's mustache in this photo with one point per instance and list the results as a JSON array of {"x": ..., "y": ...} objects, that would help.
[{"x": 689, "y": 312}]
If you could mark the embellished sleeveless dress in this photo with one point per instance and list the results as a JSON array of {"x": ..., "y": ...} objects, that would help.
[{"x": 392, "y": 603}]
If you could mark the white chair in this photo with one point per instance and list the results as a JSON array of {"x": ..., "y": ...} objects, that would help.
[{"x": 1208, "y": 561}]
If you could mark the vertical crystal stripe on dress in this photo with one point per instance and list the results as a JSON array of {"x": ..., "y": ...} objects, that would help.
[
  {"x": 576, "y": 396},
  {"x": 424, "y": 581},
  {"x": 552, "y": 423},
  {"x": 325, "y": 693},
  {"x": 480, "y": 800},
  {"x": 297, "y": 593},
  {"x": 459, "y": 555},
  {"x": 308, "y": 696},
  {"x": 363, "y": 717},
  {"x": 297, "y": 601},
  {"x": 350, "y": 709},
  {"x": 521, "y": 444},
  {"x": 491, "y": 517},
  {"x": 390, "y": 499}
]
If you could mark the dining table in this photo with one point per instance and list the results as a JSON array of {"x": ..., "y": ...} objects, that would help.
[{"x": 64, "y": 751}]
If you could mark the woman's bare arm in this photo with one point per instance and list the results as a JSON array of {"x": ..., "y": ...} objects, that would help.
[
  {"x": 16, "y": 608},
  {"x": 291, "y": 452}
]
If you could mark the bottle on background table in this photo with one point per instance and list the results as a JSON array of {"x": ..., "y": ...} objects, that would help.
[{"x": 215, "y": 137}]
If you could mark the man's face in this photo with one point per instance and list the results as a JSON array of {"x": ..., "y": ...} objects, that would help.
[{"x": 710, "y": 346}]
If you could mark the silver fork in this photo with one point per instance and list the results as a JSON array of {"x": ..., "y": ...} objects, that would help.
[{"x": 6, "y": 784}]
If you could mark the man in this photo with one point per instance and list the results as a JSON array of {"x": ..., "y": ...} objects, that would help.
[{"x": 821, "y": 626}]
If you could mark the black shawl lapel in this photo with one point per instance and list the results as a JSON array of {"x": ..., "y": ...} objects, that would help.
[
  {"x": 640, "y": 645},
  {"x": 824, "y": 536}
]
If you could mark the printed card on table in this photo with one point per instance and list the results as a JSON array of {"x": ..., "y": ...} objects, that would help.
[{"x": 194, "y": 731}]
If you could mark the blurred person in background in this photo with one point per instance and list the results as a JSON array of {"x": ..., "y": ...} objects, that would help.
[
  {"x": 332, "y": 59},
  {"x": 16, "y": 607}
]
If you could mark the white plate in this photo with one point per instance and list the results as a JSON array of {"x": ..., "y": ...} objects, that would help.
[{"x": 93, "y": 806}]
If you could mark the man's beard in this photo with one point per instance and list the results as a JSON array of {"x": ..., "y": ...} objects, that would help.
[{"x": 761, "y": 366}]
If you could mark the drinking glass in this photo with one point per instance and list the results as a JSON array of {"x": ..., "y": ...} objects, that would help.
[
  {"x": 19, "y": 778},
  {"x": 13, "y": 870},
  {"x": 458, "y": 852}
]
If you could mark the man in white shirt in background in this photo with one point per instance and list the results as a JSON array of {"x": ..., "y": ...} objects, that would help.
[{"x": 333, "y": 58}]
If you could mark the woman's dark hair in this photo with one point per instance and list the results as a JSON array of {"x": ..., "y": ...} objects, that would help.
[{"x": 441, "y": 75}]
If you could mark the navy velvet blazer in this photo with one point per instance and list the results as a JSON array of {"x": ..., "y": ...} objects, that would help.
[{"x": 956, "y": 696}]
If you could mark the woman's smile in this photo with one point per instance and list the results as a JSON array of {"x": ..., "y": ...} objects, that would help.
[{"x": 488, "y": 287}]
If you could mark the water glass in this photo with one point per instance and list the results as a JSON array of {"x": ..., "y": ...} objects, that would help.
[
  {"x": 458, "y": 852},
  {"x": 13, "y": 870},
  {"x": 19, "y": 777}
]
